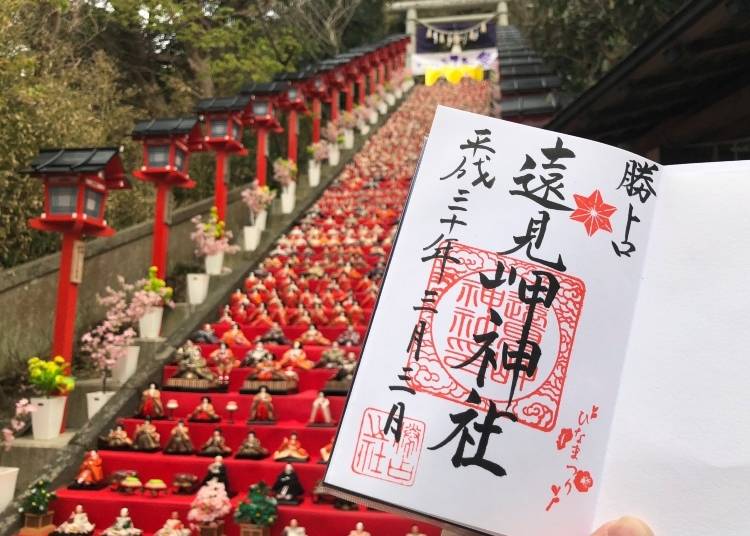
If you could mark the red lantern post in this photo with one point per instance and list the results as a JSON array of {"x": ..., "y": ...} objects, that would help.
[
  {"x": 76, "y": 185},
  {"x": 264, "y": 100},
  {"x": 167, "y": 144},
  {"x": 293, "y": 103},
  {"x": 224, "y": 118},
  {"x": 316, "y": 90}
]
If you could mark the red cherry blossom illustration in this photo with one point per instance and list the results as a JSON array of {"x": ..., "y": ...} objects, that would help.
[
  {"x": 566, "y": 435},
  {"x": 593, "y": 212},
  {"x": 583, "y": 481}
]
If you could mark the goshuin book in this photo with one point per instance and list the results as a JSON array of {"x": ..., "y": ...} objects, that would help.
[{"x": 534, "y": 275}]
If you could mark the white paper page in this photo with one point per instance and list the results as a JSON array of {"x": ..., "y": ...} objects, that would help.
[
  {"x": 548, "y": 490},
  {"x": 679, "y": 453}
]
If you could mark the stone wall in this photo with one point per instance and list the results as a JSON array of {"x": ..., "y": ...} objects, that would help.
[{"x": 28, "y": 291}]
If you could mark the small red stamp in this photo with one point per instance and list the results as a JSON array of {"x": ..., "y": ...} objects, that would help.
[
  {"x": 382, "y": 457},
  {"x": 464, "y": 306}
]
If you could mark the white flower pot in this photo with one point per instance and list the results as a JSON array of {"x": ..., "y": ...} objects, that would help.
[
  {"x": 333, "y": 154},
  {"x": 46, "y": 421},
  {"x": 373, "y": 117},
  {"x": 198, "y": 284},
  {"x": 313, "y": 173},
  {"x": 398, "y": 92},
  {"x": 8, "y": 478},
  {"x": 95, "y": 401},
  {"x": 251, "y": 235},
  {"x": 214, "y": 263},
  {"x": 382, "y": 107},
  {"x": 261, "y": 220},
  {"x": 126, "y": 365},
  {"x": 348, "y": 138},
  {"x": 364, "y": 129},
  {"x": 390, "y": 98},
  {"x": 149, "y": 325},
  {"x": 287, "y": 199}
]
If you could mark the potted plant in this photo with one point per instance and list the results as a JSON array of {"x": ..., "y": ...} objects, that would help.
[
  {"x": 148, "y": 302},
  {"x": 35, "y": 506},
  {"x": 285, "y": 173},
  {"x": 397, "y": 80},
  {"x": 381, "y": 104},
  {"x": 256, "y": 514},
  {"x": 52, "y": 381},
  {"x": 212, "y": 242},
  {"x": 372, "y": 105},
  {"x": 257, "y": 198},
  {"x": 408, "y": 80},
  {"x": 105, "y": 345},
  {"x": 362, "y": 113},
  {"x": 317, "y": 152},
  {"x": 331, "y": 134},
  {"x": 121, "y": 329},
  {"x": 19, "y": 423},
  {"x": 388, "y": 95},
  {"x": 208, "y": 509},
  {"x": 348, "y": 122}
]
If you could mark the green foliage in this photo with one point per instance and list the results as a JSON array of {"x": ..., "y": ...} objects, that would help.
[
  {"x": 80, "y": 73},
  {"x": 50, "y": 377},
  {"x": 38, "y": 499},
  {"x": 583, "y": 39},
  {"x": 259, "y": 508}
]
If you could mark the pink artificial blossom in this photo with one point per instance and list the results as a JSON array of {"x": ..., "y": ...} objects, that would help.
[{"x": 210, "y": 503}]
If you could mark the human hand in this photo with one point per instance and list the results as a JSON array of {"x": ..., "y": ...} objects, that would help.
[{"x": 625, "y": 526}]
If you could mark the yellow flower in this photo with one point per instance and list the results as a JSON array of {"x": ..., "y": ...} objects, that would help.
[{"x": 59, "y": 360}]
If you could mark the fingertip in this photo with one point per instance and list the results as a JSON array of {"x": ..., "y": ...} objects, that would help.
[{"x": 627, "y": 526}]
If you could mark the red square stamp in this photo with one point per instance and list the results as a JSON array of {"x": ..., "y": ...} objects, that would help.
[
  {"x": 383, "y": 458},
  {"x": 462, "y": 311}
]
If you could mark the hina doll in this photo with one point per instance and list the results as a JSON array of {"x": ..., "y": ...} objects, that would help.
[
  {"x": 320, "y": 414},
  {"x": 313, "y": 336},
  {"x": 359, "y": 530},
  {"x": 331, "y": 357},
  {"x": 274, "y": 335},
  {"x": 349, "y": 337},
  {"x": 151, "y": 405},
  {"x": 251, "y": 449},
  {"x": 123, "y": 526},
  {"x": 261, "y": 410},
  {"x": 173, "y": 527},
  {"x": 325, "y": 452},
  {"x": 205, "y": 335},
  {"x": 224, "y": 360},
  {"x": 90, "y": 473},
  {"x": 77, "y": 524},
  {"x": 415, "y": 531},
  {"x": 179, "y": 440},
  {"x": 216, "y": 445},
  {"x": 226, "y": 316},
  {"x": 204, "y": 412},
  {"x": 262, "y": 318},
  {"x": 293, "y": 529},
  {"x": 287, "y": 488},
  {"x": 257, "y": 355},
  {"x": 295, "y": 357},
  {"x": 116, "y": 439},
  {"x": 218, "y": 471},
  {"x": 146, "y": 438},
  {"x": 291, "y": 450},
  {"x": 191, "y": 365},
  {"x": 234, "y": 335}
]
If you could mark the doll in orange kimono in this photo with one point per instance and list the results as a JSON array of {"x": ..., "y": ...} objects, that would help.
[
  {"x": 91, "y": 473},
  {"x": 295, "y": 357},
  {"x": 234, "y": 335}
]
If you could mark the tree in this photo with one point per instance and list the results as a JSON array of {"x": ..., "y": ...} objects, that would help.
[
  {"x": 259, "y": 508},
  {"x": 323, "y": 20},
  {"x": 583, "y": 39}
]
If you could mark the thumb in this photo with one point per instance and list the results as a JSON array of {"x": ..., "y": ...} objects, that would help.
[{"x": 625, "y": 526}]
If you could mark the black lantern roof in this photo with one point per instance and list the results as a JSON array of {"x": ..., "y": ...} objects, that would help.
[
  {"x": 296, "y": 76},
  {"x": 534, "y": 69},
  {"x": 80, "y": 160},
  {"x": 529, "y": 84},
  {"x": 164, "y": 127},
  {"x": 235, "y": 103},
  {"x": 264, "y": 88}
]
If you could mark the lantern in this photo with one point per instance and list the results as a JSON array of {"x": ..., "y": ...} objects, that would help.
[
  {"x": 167, "y": 144},
  {"x": 264, "y": 98},
  {"x": 76, "y": 185},
  {"x": 224, "y": 119},
  {"x": 293, "y": 103}
]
